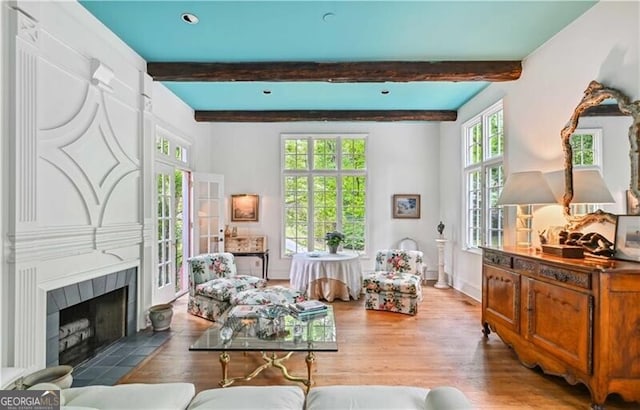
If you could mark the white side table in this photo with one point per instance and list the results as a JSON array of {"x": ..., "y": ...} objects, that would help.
[{"x": 442, "y": 279}]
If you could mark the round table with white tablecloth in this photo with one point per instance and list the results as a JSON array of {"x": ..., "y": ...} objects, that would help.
[{"x": 327, "y": 276}]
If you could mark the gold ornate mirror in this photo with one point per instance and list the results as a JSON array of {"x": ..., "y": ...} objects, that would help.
[{"x": 595, "y": 94}]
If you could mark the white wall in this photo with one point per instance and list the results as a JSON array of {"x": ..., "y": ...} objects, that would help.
[
  {"x": 402, "y": 159},
  {"x": 602, "y": 45}
]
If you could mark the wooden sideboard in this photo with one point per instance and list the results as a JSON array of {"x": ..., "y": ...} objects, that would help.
[{"x": 575, "y": 318}]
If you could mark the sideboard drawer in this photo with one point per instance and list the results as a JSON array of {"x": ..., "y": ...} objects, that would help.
[
  {"x": 497, "y": 258},
  {"x": 570, "y": 277},
  {"x": 525, "y": 266}
]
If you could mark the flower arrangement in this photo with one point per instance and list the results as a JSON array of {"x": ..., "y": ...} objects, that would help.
[{"x": 334, "y": 238}]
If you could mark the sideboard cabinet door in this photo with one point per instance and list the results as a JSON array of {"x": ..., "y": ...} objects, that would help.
[
  {"x": 559, "y": 321},
  {"x": 501, "y": 298}
]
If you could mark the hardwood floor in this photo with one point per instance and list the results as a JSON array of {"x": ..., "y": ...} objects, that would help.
[{"x": 442, "y": 345}]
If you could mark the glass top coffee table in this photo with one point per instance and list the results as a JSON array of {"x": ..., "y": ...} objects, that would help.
[{"x": 287, "y": 333}]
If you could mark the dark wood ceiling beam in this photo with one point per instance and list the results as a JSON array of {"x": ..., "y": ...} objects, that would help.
[
  {"x": 348, "y": 72},
  {"x": 603, "y": 110},
  {"x": 324, "y": 115}
]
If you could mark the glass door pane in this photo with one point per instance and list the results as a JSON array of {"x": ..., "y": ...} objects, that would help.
[
  {"x": 165, "y": 240},
  {"x": 209, "y": 213}
]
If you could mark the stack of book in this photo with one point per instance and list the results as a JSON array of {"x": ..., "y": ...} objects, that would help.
[{"x": 308, "y": 309}]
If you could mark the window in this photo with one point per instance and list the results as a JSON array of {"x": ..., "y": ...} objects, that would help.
[
  {"x": 164, "y": 146},
  {"x": 586, "y": 145},
  {"x": 484, "y": 177},
  {"x": 324, "y": 189},
  {"x": 586, "y": 148}
]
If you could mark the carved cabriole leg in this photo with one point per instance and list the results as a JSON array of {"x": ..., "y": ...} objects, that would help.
[{"x": 485, "y": 329}]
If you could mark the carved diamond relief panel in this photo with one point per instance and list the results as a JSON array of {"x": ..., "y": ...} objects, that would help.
[{"x": 82, "y": 148}]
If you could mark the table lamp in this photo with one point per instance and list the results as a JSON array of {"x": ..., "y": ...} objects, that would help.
[
  {"x": 525, "y": 188},
  {"x": 588, "y": 186}
]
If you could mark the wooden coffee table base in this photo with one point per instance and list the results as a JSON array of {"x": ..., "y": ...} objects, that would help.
[{"x": 271, "y": 360}]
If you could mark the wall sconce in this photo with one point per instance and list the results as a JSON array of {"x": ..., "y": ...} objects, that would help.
[{"x": 101, "y": 75}]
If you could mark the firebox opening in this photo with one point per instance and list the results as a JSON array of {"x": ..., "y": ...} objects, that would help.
[{"x": 88, "y": 327}]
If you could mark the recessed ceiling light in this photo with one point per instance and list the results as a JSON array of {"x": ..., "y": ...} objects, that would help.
[
  {"x": 189, "y": 18},
  {"x": 267, "y": 92},
  {"x": 327, "y": 17},
  {"x": 384, "y": 92}
]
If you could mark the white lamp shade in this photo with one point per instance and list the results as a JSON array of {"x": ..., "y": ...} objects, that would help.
[
  {"x": 588, "y": 186},
  {"x": 526, "y": 188}
]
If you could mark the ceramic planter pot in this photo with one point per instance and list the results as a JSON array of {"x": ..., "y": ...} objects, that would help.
[
  {"x": 58, "y": 375},
  {"x": 160, "y": 316}
]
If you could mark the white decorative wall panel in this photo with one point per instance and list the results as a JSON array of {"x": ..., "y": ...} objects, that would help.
[
  {"x": 85, "y": 150},
  {"x": 28, "y": 334},
  {"x": 26, "y": 120},
  {"x": 126, "y": 128}
]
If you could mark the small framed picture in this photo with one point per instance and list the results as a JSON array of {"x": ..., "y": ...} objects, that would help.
[
  {"x": 633, "y": 207},
  {"x": 244, "y": 208},
  {"x": 627, "y": 243},
  {"x": 406, "y": 206}
]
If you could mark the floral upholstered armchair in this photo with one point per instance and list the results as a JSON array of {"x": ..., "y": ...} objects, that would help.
[
  {"x": 395, "y": 285},
  {"x": 213, "y": 281}
]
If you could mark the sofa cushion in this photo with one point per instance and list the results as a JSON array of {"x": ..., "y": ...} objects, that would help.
[
  {"x": 250, "y": 398},
  {"x": 399, "y": 260},
  {"x": 225, "y": 288},
  {"x": 279, "y": 295},
  {"x": 210, "y": 266},
  {"x": 48, "y": 386},
  {"x": 446, "y": 398},
  {"x": 160, "y": 396},
  {"x": 366, "y": 397},
  {"x": 392, "y": 282}
]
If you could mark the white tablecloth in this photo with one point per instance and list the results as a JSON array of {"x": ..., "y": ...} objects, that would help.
[{"x": 317, "y": 276}]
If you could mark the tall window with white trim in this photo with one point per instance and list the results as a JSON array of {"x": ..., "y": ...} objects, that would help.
[
  {"x": 324, "y": 179},
  {"x": 173, "y": 215},
  {"x": 484, "y": 177}
]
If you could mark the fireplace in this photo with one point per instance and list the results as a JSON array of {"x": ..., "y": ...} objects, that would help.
[{"x": 87, "y": 316}]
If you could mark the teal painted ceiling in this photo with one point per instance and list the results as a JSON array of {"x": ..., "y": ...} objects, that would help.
[{"x": 335, "y": 31}]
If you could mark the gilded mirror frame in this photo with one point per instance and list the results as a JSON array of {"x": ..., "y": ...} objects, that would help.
[{"x": 595, "y": 94}]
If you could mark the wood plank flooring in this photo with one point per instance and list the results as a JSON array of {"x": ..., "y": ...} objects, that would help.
[{"x": 442, "y": 345}]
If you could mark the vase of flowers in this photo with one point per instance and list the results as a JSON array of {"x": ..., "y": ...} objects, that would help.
[{"x": 334, "y": 239}]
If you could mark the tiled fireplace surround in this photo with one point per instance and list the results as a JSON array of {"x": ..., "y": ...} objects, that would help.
[{"x": 64, "y": 297}]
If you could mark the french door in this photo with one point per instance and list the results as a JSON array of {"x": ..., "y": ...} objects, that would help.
[
  {"x": 208, "y": 193},
  {"x": 173, "y": 240}
]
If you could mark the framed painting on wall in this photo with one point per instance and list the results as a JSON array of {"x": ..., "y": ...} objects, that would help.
[
  {"x": 627, "y": 242},
  {"x": 244, "y": 208},
  {"x": 406, "y": 206}
]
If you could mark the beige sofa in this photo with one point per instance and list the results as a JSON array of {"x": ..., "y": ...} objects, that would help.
[{"x": 181, "y": 396}]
